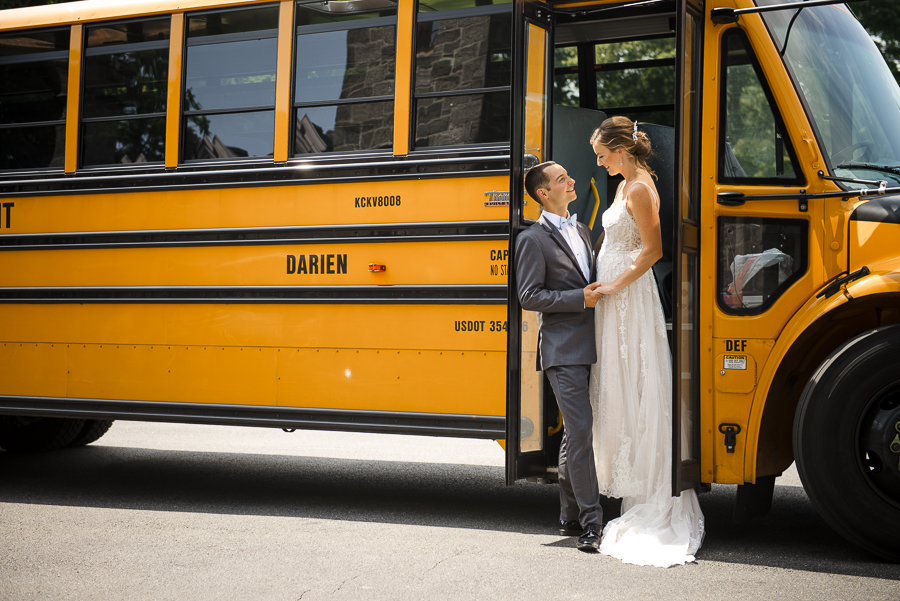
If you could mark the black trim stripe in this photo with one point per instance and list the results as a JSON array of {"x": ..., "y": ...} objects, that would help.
[
  {"x": 879, "y": 210},
  {"x": 441, "y": 295},
  {"x": 205, "y": 175},
  {"x": 349, "y": 234},
  {"x": 388, "y": 422}
]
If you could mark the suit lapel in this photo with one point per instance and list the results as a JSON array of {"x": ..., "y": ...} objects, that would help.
[
  {"x": 557, "y": 237},
  {"x": 586, "y": 238}
]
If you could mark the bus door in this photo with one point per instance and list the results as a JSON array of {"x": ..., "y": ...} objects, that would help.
[
  {"x": 526, "y": 431},
  {"x": 530, "y": 410},
  {"x": 686, "y": 257}
]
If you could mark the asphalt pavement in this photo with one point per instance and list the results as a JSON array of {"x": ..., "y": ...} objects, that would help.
[{"x": 184, "y": 512}]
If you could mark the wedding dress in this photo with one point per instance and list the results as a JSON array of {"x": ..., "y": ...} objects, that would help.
[{"x": 631, "y": 391}]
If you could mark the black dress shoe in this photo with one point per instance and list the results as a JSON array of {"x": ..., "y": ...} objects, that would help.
[
  {"x": 570, "y": 528},
  {"x": 589, "y": 541}
]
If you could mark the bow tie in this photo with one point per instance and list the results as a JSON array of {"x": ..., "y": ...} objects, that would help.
[{"x": 570, "y": 221}]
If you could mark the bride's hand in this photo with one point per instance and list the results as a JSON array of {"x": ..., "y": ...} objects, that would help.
[{"x": 605, "y": 288}]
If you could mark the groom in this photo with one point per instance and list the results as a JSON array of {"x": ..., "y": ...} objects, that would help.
[{"x": 554, "y": 266}]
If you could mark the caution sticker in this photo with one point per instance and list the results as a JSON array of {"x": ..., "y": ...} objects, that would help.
[{"x": 735, "y": 362}]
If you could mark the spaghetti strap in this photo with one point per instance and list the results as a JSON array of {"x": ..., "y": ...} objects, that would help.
[{"x": 652, "y": 191}]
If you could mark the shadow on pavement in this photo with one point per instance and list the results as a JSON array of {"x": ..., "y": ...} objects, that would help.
[{"x": 793, "y": 536}]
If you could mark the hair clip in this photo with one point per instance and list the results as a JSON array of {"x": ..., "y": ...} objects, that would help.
[{"x": 634, "y": 133}]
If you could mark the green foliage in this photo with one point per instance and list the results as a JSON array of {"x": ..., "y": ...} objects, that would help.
[
  {"x": 645, "y": 85},
  {"x": 881, "y": 18},
  {"x": 750, "y": 128},
  {"x": 565, "y": 86},
  {"x": 617, "y": 88},
  {"x": 641, "y": 50}
]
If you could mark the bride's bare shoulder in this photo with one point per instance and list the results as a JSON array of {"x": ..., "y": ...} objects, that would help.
[{"x": 641, "y": 195}]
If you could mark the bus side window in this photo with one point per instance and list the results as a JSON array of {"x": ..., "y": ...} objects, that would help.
[
  {"x": 229, "y": 84},
  {"x": 632, "y": 78},
  {"x": 34, "y": 73},
  {"x": 758, "y": 259},
  {"x": 344, "y": 78},
  {"x": 462, "y": 73},
  {"x": 124, "y": 106},
  {"x": 753, "y": 148}
]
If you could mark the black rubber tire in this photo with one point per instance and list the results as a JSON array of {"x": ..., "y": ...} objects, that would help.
[
  {"x": 20, "y": 434},
  {"x": 93, "y": 429},
  {"x": 827, "y": 441}
]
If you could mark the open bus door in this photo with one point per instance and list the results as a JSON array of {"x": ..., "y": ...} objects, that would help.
[
  {"x": 527, "y": 403},
  {"x": 686, "y": 256},
  {"x": 526, "y": 434}
]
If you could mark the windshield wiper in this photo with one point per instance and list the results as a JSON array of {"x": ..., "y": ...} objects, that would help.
[
  {"x": 882, "y": 184},
  {"x": 854, "y": 165}
]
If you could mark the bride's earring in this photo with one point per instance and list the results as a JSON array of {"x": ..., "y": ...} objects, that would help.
[{"x": 620, "y": 160}]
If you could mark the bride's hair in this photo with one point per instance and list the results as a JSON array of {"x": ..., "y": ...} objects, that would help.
[{"x": 622, "y": 132}]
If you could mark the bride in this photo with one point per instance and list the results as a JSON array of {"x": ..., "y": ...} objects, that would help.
[{"x": 631, "y": 385}]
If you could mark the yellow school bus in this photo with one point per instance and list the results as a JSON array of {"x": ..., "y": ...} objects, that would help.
[{"x": 299, "y": 214}]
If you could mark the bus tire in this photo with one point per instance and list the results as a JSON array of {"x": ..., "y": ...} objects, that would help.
[
  {"x": 21, "y": 434},
  {"x": 91, "y": 432},
  {"x": 844, "y": 441}
]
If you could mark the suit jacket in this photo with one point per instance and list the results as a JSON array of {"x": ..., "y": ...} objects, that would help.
[{"x": 551, "y": 282}]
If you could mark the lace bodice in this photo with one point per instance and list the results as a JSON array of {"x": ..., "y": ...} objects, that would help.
[{"x": 622, "y": 234}]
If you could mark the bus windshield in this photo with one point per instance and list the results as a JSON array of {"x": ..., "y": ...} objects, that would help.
[{"x": 849, "y": 91}]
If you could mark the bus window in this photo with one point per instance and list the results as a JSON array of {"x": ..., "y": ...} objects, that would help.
[
  {"x": 566, "y": 91},
  {"x": 633, "y": 78},
  {"x": 229, "y": 98},
  {"x": 835, "y": 69},
  {"x": 34, "y": 69},
  {"x": 125, "y": 77},
  {"x": 462, "y": 73},
  {"x": 753, "y": 148},
  {"x": 758, "y": 259},
  {"x": 637, "y": 79},
  {"x": 344, "y": 77}
]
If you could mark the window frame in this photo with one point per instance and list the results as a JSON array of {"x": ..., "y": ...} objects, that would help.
[
  {"x": 257, "y": 34},
  {"x": 36, "y": 57},
  {"x": 117, "y": 49},
  {"x": 293, "y": 155},
  {"x": 414, "y": 97},
  {"x": 588, "y": 68},
  {"x": 796, "y": 275},
  {"x": 800, "y": 176}
]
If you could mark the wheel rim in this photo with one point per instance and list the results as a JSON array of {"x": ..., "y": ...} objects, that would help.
[{"x": 879, "y": 444}]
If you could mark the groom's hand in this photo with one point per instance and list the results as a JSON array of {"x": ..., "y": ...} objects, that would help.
[{"x": 591, "y": 295}]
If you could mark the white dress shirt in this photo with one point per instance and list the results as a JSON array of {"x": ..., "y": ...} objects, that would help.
[{"x": 576, "y": 242}]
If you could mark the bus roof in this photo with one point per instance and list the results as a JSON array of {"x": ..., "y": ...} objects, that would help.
[{"x": 87, "y": 11}]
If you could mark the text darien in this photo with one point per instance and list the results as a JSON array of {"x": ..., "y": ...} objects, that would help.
[{"x": 317, "y": 264}]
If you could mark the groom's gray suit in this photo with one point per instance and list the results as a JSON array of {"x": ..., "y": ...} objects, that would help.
[{"x": 551, "y": 282}]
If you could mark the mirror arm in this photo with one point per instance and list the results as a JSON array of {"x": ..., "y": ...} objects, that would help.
[{"x": 724, "y": 16}]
